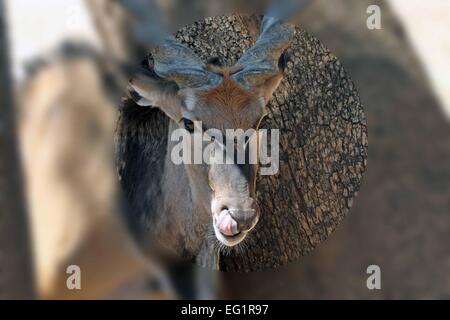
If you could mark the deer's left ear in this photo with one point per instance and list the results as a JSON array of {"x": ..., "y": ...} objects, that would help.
[
  {"x": 147, "y": 90},
  {"x": 272, "y": 83}
]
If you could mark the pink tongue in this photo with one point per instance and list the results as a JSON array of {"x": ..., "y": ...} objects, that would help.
[{"x": 226, "y": 224}]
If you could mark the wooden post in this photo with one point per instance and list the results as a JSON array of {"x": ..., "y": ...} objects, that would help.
[{"x": 15, "y": 255}]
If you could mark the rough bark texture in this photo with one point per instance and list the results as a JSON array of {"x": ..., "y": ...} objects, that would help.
[
  {"x": 323, "y": 143},
  {"x": 15, "y": 256},
  {"x": 401, "y": 217}
]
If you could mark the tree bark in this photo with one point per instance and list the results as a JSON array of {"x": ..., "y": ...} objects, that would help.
[{"x": 15, "y": 256}]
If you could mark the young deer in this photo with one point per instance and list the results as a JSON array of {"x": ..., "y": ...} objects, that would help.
[{"x": 194, "y": 197}]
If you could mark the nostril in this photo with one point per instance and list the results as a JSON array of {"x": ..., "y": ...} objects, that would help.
[
  {"x": 246, "y": 219},
  {"x": 223, "y": 208}
]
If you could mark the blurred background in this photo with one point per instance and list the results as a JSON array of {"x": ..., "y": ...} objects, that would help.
[{"x": 63, "y": 68}]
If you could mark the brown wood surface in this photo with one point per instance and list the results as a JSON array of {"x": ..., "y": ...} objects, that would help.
[{"x": 15, "y": 256}]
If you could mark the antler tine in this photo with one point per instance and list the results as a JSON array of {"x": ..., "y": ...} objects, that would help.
[
  {"x": 260, "y": 62},
  {"x": 177, "y": 62}
]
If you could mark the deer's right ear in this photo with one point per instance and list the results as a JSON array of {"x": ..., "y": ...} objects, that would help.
[
  {"x": 150, "y": 91},
  {"x": 147, "y": 90}
]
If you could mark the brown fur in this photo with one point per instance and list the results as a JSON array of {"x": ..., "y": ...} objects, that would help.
[{"x": 229, "y": 93}]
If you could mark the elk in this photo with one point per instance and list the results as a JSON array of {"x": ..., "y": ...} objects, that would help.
[{"x": 192, "y": 202}]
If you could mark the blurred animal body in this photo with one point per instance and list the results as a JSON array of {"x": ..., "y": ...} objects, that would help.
[{"x": 67, "y": 128}]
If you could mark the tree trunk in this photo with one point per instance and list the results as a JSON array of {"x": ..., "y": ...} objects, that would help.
[{"x": 15, "y": 256}]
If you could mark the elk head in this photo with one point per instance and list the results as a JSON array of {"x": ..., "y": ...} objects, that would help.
[{"x": 190, "y": 92}]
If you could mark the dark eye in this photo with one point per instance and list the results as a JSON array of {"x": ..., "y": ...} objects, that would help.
[{"x": 188, "y": 125}]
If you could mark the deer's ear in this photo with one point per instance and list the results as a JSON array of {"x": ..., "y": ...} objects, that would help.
[
  {"x": 272, "y": 83},
  {"x": 137, "y": 94},
  {"x": 147, "y": 90},
  {"x": 270, "y": 86}
]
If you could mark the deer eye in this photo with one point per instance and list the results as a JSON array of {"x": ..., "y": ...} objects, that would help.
[{"x": 188, "y": 125}]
